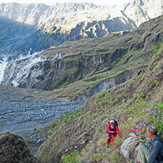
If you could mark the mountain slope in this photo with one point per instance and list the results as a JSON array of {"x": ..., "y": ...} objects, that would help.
[
  {"x": 71, "y": 21},
  {"x": 78, "y": 70},
  {"x": 13, "y": 33},
  {"x": 131, "y": 103}
]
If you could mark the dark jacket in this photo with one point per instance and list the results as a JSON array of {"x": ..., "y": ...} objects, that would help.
[{"x": 156, "y": 151}]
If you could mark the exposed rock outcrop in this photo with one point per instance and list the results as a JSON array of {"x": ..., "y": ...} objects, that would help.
[
  {"x": 127, "y": 149},
  {"x": 14, "y": 149}
]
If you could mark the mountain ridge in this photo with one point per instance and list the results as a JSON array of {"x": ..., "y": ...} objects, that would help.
[{"x": 72, "y": 21}]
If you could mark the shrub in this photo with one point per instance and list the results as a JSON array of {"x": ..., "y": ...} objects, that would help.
[
  {"x": 100, "y": 97},
  {"x": 71, "y": 158},
  {"x": 54, "y": 124},
  {"x": 153, "y": 120}
]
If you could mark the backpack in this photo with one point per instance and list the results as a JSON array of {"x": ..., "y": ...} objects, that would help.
[{"x": 115, "y": 123}]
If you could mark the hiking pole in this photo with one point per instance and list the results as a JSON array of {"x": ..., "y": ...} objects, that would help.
[{"x": 134, "y": 130}]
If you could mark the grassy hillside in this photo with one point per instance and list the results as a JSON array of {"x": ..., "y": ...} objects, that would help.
[
  {"x": 136, "y": 103},
  {"x": 16, "y": 37},
  {"x": 13, "y": 34}
]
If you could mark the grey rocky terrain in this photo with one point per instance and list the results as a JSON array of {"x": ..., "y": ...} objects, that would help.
[{"x": 21, "y": 112}]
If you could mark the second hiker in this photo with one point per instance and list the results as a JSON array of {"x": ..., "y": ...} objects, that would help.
[{"x": 112, "y": 131}]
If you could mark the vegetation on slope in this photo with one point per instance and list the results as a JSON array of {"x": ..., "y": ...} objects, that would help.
[
  {"x": 134, "y": 104},
  {"x": 13, "y": 34}
]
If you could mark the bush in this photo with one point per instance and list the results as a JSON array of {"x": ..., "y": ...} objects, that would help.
[
  {"x": 100, "y": 97},
  {"x": 54, "y": 124},
  {"x": 71, "y": 158},
  {"x": 153, "y": 120}
]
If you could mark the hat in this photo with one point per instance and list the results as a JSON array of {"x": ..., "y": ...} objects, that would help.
[{"x": 112, "y": 121}]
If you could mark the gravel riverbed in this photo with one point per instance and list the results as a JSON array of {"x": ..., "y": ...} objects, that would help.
[{"x": 21, "y": 112}]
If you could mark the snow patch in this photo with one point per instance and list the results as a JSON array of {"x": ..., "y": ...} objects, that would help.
[{"x": 3, "y": 65}]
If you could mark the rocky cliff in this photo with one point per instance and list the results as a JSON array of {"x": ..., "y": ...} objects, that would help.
[{"x": 49, "y": 25}]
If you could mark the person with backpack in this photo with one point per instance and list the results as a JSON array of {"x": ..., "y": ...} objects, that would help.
[
  {"x": 155, "y": 153},
  {"x": 112, "y": 131}
]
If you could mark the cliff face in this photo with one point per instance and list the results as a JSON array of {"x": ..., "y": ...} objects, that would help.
[
  {"x": 70, "y": 14},
  {"x": 50, "y": 25}
]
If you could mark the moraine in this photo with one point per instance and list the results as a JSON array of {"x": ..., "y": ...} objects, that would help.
[{"x": 22, "y": 113}]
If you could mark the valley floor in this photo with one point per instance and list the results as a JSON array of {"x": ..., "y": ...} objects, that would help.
[{"x": 22, "y": 113}]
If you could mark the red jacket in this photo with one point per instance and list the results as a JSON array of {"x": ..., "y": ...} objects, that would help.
[{"x": 115, "y": 129}]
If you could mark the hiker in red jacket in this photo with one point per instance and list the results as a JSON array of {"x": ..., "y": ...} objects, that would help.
[{"x": 112, "y": 131}]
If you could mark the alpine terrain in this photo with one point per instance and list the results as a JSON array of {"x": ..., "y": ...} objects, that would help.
[{"x": 66, "y": 71}]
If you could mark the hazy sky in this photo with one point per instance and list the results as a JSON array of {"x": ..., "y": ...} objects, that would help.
[{"x": 51, "y": 2}]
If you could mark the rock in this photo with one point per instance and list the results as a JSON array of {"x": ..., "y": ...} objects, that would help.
[
  {"x": 66, "y": 150},
  {"x": 127, "y": 149},
  {"x": 14, "y": 149},
  {"x": 83, "y": 142},
  {"x": 38, "y": 141},
  {"x": 129, "y": 119},
  {"x": 15, "y": 111}
]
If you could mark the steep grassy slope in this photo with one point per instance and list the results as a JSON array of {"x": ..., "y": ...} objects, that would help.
[
  {"x": 90, "y": 66},
  {"x": 131, "y": 104},
  {"x": 13, "y": 34},
  {"x": 16, "y": 37}
]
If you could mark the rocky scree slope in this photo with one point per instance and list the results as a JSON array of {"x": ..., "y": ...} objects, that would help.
[
  {"x": 49, "y": 25},
  {"x": 131, "y": 104},
  {"x": 78, "y": 70}
]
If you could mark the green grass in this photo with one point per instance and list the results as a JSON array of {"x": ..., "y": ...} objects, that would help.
[
  {"x": 158, "y": 47},
  {"x": 154, "y": 121}
]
